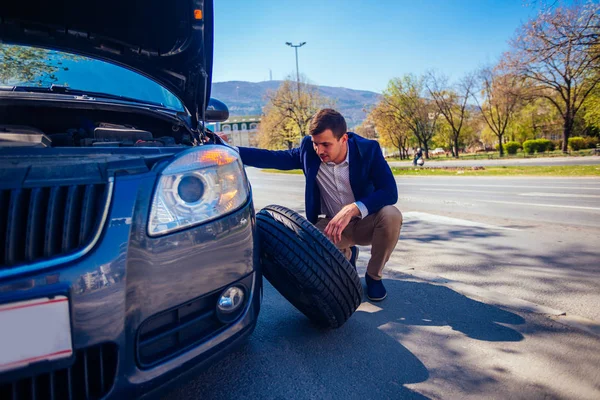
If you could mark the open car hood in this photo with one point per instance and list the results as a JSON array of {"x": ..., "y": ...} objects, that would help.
[{"x": 169, "y": 41}]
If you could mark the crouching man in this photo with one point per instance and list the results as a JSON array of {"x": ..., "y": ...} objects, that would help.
[{"x": 350, "y": 191}]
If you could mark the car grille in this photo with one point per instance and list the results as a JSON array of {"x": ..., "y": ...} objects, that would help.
[
  {"x": 175, "y": 331},
  {"x": 44, "y": 222},
  {"x": 90, "y": 377}
]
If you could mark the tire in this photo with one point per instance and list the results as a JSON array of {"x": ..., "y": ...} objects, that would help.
[{"x": 306, "y": 267}]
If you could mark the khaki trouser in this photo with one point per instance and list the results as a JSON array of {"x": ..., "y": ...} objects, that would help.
[{"x": 380, "y": 230}]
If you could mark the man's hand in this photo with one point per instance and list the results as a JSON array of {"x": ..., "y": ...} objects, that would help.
[{"x": 336, "y": 226}]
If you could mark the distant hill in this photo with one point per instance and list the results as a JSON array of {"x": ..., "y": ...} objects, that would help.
[{"x": 248, "y": 98}]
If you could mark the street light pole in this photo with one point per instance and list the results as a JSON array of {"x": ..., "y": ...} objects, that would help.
[{"x": 295, "y": 46}]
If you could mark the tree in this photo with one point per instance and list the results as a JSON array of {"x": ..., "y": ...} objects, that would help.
[
  {"x": 287, "y": 113},
  {"x": 500, "y": 100},
  {"x": 471, "y": 131},
  {"x": 393, "y": 132},
  {"x": 587, "y": 37},
  {"x": 451, "y": 103},
  {"x": 367, "y": 128},
  {"x": 592, "y": 110},
  {"x": 535, "y": 119},
  {"x": 20, "y": 64},
  {"x": 557, "y": 52},
  {"x": 444, "y": 136},
  {"x": 276, "y": 132},
  {"x": 405, "y": 99}
]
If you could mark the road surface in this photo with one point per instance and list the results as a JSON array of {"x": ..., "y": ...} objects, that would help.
[{"x": 493, "y": 293}]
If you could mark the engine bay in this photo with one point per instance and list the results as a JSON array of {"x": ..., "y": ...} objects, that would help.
[{"x": 45, "y": 126}]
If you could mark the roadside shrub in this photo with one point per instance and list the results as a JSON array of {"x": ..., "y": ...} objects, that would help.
[
  {"x": 577, "y": 143},
  {"x": 552, "y": 145},
  {"x": 512, "y": 147},
  {"x": 543, "y": 145},
  {"x": 530, "y": 146},
  {"x": 591, "y": 142},
  {"x": 537, "y": 146}
]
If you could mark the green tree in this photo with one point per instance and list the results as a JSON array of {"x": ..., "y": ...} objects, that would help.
[
  {"x": 444, "y": 136},
  {"x": 471, "y": 135},
  {"x": 276, "y": 131},
  {"x": 536, "y": 118},
  {"x": 592, "y": 110},
  {"x": 405, "y": 99}
]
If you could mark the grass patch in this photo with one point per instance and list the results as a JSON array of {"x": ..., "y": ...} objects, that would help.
[
  {"x": 494, "y": 155},
  {"x": 292, "y": 171},
  {"x": 558, "y": 170}
]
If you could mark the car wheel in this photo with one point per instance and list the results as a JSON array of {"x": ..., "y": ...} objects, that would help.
[{"x": 306, "y": 267}]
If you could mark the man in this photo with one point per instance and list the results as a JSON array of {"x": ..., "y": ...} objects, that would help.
[
  {"x": 351, "y": 184},
  {"x": 418, "y": 154}
]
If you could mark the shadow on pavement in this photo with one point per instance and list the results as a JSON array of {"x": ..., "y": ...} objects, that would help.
[
  {"x": 287, "y": 357},
  {"x": 538, "y": 268},
  {"x": 427, "y": 232},
  {"x": 424, "y": 304}
]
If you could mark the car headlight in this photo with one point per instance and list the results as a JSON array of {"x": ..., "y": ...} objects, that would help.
[{"x": 201, "y": 184}]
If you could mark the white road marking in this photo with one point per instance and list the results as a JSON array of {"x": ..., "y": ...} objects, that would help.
[
  {"x": 540, "y": 205},
  {"x": 440, "y": 219},
  {"x": 532, "y": 194},
  {"x": 457, "y": 184},
  {"x": 540, "y": 194},
  {"x": 464, "y": 191}
]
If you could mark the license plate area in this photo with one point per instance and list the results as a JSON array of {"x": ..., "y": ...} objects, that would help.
[{"x": 35, "y": 332}]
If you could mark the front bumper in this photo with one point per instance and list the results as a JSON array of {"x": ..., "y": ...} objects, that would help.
[{"x": 129, "y": 277}]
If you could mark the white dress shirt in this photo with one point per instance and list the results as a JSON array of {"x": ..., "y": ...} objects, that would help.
[{"x": 334, "y": 183}]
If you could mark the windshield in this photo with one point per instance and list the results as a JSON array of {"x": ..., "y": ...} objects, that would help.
[{"x": 36, "y": 67}]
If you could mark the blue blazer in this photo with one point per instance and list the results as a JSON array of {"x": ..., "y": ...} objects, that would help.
[{"x": 371, "y": 178}]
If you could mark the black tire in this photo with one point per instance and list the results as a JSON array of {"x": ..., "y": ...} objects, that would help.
[{"x": 306, "y": 267}]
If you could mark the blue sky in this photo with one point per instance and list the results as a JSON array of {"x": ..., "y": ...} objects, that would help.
[{"x": 361, "y": 44}]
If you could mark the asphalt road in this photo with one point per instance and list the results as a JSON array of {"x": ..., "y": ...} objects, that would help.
[
  {"x": 548, "y": 161},
  {"x": 493, "y": 293}
]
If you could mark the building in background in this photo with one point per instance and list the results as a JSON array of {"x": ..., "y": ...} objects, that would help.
[{"x": 239, "y": 131}]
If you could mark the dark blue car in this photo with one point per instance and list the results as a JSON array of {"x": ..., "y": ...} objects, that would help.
[{"x": 128, "y": 252}]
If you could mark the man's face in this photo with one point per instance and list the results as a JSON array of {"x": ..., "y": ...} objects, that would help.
[{"x": 328, "y": 148}]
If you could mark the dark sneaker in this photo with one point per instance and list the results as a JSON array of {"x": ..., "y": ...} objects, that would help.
[
  {"x": 375, "y": 289},
  {"x": 354, "y": 256}
]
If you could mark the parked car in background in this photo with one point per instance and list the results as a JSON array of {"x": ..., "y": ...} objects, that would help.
[
  {"x": 128, "y": 251},
  {"x": 437, "y": 151}
]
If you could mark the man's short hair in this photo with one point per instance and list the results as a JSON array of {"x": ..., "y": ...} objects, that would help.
[{"x": 325, "y": 119}]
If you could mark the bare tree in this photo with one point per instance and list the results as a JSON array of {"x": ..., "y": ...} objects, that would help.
[
  {"x": 287, "y": 113},
  {"x": 367, "y": 128},
  {"x": 558, "y": 52},
  {"x": 298, "y": 107},
  {"x": 500, "y": 100},
  {"x": 405, "y": 99},
  {"x": 589, "y": 35},
  {"x": 451, "y": 102}
]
